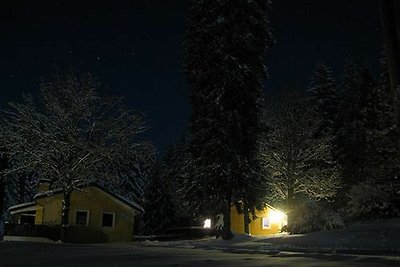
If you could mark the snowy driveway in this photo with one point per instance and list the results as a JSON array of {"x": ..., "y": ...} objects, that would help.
[{"x": 46, "y": 255}]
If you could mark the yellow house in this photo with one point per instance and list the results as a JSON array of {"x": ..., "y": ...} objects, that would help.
[
  {"x": 96, "y": 215},
  {"x": 268, "y": 221}
]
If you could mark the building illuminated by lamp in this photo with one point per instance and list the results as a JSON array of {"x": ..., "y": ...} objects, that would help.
[{"x": 268, "y": 221}]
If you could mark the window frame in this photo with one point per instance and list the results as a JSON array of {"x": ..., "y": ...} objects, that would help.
[
  {"x": 87, "y": 217},
  {"x": 262, "y": 223},
  {"x": 113, "y": 219}
]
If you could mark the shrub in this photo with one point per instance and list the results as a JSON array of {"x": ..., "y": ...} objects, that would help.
[{"x": 311, "y": 216}]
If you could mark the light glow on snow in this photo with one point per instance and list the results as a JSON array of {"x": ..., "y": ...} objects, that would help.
[{"x": 207, "y": 223}]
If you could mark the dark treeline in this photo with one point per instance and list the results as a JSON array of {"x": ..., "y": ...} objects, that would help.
[{"x": 340, "y": 138}]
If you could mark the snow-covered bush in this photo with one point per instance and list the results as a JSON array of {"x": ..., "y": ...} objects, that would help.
[
  {"x": 309, "y": 216},
  {"x": 369, "y": 200}
]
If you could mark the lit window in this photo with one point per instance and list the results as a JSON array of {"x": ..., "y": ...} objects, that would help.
[
  {"x": 82, "y": 217},
  {"x": 108, "y": 219},
  {"x": 266, "y": 223}
]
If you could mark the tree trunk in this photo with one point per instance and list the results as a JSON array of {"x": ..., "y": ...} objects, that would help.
[
  {"x": 391, "y": 46},
  {"x": 2, "y": 197},
  {"x": 289, "y": 209},
  {"x": 3, "y": 166},
  {"x": 66, "y": 203},
  {"x": 246, "y": 219},
  {"x": 226, "y": 229}
]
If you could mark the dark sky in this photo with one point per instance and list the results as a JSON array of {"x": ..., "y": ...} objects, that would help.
[{"x": 135, "y": 47}]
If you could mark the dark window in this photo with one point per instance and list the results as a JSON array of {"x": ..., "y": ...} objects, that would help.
[
  {"x": 108, "y": 220},
  {"x": 81, "y": 218},
  {"x": 27, "y": 219}
]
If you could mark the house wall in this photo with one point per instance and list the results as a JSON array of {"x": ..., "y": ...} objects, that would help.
[
  {"x": 96, "y": 202},
  {"x": 255, "y": 226}
]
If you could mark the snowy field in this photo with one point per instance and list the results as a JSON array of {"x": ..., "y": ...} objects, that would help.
[
  {"x": 61, "y": 255},
  {"x": 378, "y": 237},
  {"x": 347, "y": 247}
]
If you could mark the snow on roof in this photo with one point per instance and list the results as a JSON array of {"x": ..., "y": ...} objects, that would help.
[
  {"x": 117, "y": 196},
  {"x": 23, "y": 205}
]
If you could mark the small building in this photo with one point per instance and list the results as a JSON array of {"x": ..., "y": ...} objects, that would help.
[
  {"x": 96, "y": 215},
  {"x": 268, "y": 221}
]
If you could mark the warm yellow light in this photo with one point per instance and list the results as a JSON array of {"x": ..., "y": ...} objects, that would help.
[
  {"x": 276, "y": 216},
  {"x": 207, "y": 223}
]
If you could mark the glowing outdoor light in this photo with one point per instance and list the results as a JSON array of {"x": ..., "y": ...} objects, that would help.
[
  {"x": 207, "y": 223},
  {"x": 276, "y": 216}
]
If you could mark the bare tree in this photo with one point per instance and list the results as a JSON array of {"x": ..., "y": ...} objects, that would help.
[
  {"x": 298, "y": 162},
  {"x": 71, "y": 135}
]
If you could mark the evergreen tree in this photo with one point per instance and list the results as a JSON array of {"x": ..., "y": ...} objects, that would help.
[
  {"x": 322, "y": 95},
  {"x": 159, "y": 208},
  {"x": 351, "y": 138},
  {"x": 225, "y": 45},
  {"x": 378, "y": 194}
]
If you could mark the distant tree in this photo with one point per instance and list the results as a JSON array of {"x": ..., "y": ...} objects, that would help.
[
  {"x": 225, "y": 45},
  {"x": 392, "y": 49},
  {"x": 381, "y": 152},
  {"x": 159, "y": 205},
  {"x": 322, "y": 95},
  {"x": 298, "y": 162},
  {"x": 131, "y": 180},
  {"x": 377, "y": 192},
  {"x": 351, "y": 137},
  {"x": 72, "y": 136}
]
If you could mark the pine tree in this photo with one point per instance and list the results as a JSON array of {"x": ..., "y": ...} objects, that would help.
[
  {"x": 351, "y": 137},
  {"x": 225, "y": 45},
  {"x": 160, "y": 210},
  {"x": 322, "y": 95},
  {"x": 367, "y": 142}
]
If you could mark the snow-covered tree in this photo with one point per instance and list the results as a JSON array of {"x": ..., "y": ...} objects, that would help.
[
  {"x": 225, "y": 45},
  {"x": 298, "y": 162},
  {"x": 71, "y": 135},
  {"x": 379, "y": 159}
]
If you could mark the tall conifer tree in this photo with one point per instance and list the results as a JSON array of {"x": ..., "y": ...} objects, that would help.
[
  {"x": 225, "y": 45},
  {"x": 323, "y": 97}
]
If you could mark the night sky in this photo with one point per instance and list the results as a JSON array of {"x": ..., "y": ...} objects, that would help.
[{"x": 136, "y": 48}]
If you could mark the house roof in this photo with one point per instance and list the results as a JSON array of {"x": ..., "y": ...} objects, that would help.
[
  {"x": 128, "y": 202},
  {"x": 29, "y": 206}
]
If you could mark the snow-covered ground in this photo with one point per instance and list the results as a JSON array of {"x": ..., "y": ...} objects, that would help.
[
  {"x": 20, "y": 254},
  {"x": 379, "y": 237}
]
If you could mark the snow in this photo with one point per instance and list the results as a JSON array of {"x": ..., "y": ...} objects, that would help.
[
  {"x": 98, "y": 255},
  {"x": 21, "y": 205},
  {"x": 372, "y": 237}
]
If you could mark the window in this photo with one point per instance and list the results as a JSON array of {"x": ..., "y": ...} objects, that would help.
[
  {"x": 82, "y": 217},
  {"x": 108, "y": 219},
  {"x": 27, "y": 219},
  {"x": 266, "y": 223}
]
